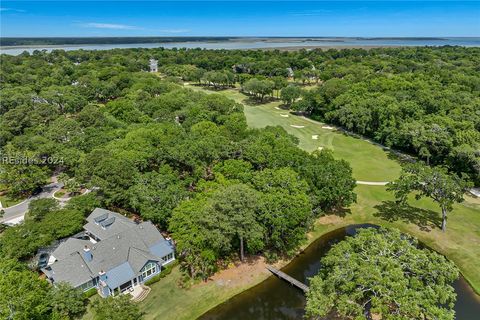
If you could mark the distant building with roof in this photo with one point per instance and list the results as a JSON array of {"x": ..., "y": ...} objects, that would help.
[{"x": 115, "y": 255}]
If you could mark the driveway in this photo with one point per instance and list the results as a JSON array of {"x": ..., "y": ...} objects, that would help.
[{"x": 15, "y": 214}]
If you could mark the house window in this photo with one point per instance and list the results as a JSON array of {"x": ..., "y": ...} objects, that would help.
[
  {"x": 168, "y": 257},
  {"x": 88, "y": 285},
  {"x": 149, "y": 269}
]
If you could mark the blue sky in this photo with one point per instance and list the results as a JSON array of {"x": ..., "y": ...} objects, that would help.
[{"x": 240, "y": 18}]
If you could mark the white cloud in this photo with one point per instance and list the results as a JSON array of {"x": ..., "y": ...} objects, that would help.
[
  {"x": 174, "y": 30},
  {"x": 11, "y": 9},
  {"x": 98, "y": 25},
  {"x": 116, "y": 26},
  {"x": 311, "y": 12}
]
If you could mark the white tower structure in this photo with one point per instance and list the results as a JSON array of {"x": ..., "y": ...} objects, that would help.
[{"x": 153, "y": 65}]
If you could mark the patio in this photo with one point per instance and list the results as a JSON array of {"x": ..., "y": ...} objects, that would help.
[{"x": 139, "y": 293}]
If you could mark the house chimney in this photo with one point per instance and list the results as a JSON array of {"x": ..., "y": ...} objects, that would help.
[
  {"x": 102, "y": 275},
  {"x": 87, "y": 254}
]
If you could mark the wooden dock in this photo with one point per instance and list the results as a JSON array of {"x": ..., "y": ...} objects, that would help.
[{"x": 287, "y": 278}]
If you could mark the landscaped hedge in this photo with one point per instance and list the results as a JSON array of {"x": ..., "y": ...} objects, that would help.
[
  {"x": 90, "y": 292},
  {"x": 165, "y": 272}
]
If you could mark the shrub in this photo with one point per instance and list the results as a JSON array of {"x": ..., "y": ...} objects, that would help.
[
  {"x": 271, "y": 256},
  {"x": 168, "y": 269},
  {"x": 165, "y": 272},
  {"x": 59, "y": 194},
  {"x": 154, "y": 279},
  {"x": 90, "y": 292}
]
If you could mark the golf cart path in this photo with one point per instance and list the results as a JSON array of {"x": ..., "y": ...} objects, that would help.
[{"x": 372, "y": 183}]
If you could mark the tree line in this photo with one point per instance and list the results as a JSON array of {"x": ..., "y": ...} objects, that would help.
[
  {"x": 423, "y": 101},
  {"x": 420, "y": 100}
]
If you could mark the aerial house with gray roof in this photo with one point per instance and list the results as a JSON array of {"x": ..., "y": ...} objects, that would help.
[{"x": 115, "y": 255}]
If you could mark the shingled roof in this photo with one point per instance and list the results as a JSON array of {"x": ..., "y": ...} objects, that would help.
[
  {"x": 124, "y": 249},
  {"x": 104, "y": 223}
]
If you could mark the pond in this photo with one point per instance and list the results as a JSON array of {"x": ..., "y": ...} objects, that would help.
[{"x": 277, "y": 299}]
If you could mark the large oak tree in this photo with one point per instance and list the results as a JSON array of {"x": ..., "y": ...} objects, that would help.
[
  {"x": 382, "y": 272},
  {"x": 433, "y": 182}
]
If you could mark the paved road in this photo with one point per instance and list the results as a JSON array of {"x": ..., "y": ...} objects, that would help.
[{"x": 16, "y": 213}]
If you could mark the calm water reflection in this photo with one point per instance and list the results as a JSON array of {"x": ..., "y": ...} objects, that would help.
[
  {"x": 276, "y": 299},
  {"x": 261, "y": 44}
]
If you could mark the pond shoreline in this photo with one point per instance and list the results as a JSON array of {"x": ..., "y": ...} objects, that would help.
[{"x": 468, "y": 298}]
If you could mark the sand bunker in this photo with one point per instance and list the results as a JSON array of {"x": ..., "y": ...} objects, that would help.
[
  {"x": 315, "y": 137},
  {"x": 284, "y": 115},
  {"x": 320, "y": 148},
  {"x": 295, "y": 126},
  {"x": 328, "y": 127},
  {"x": 278, "y": 108}
]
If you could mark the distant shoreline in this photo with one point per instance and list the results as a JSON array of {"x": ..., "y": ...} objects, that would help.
[
  {"x": 338, "y": 47},
  {"x": 278, "y": 43},
  {"x": 21, "y": 42},
  {"x": 285, "y": 48}
]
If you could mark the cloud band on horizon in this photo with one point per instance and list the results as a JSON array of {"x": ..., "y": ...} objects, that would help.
[{"x": 114, "y": 26}]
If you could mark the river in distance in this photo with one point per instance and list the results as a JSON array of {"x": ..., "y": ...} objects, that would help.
[
  {"x": 275, "y": 299},
  {"x": 264, "y": 43}
]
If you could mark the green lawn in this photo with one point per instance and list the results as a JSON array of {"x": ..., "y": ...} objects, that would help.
[
  {"x": 461, "y": 242},
  {"x": 368, "y": 161},
  {"x": 8, "y": 201},
  {"x": 168, "y": 301}
]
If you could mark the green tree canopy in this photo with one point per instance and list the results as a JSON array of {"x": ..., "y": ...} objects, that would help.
[
  {"x": 67, "y": 302},
  {"x": 290, "y": 93},
  {"x": 23, "y": 179},
  {"x": 331, "y": 182},
  {"x": 382, "y": 272},
  {"x": 37, "y": 209},
  {"x": 156, "y": 194},
  {"x": 236, "y": 205},
  {"x": 116, "y": 308},
  {"x": 432, "y": 182},
  {"x": 259, "y": 88},
  {"x": 23, "y": 296}
]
